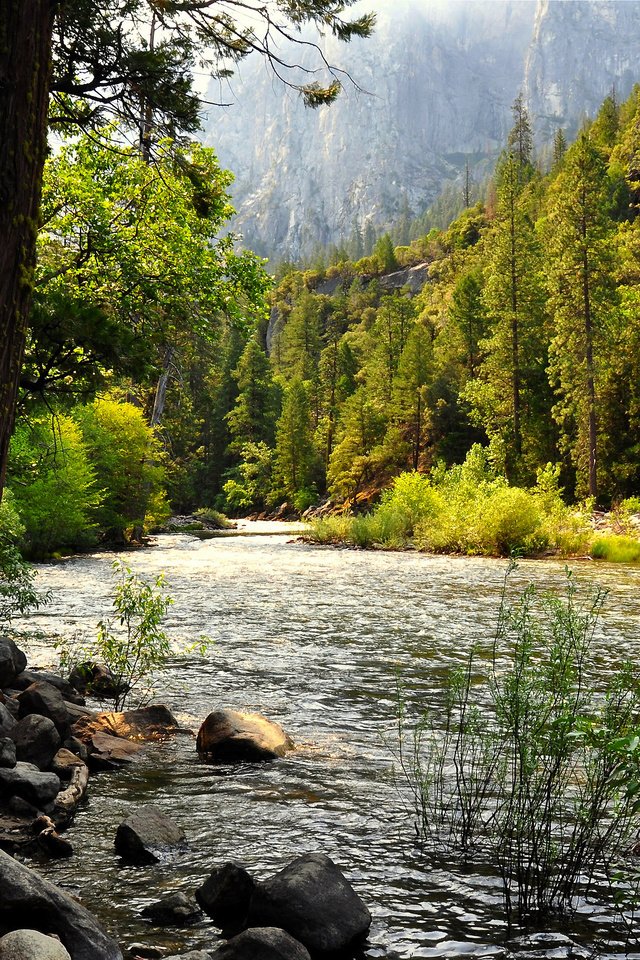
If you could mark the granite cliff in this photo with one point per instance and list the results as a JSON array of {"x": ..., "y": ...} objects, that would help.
[{"x": 440, "y": 77}]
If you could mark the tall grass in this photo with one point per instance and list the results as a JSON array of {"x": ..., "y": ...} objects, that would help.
[
  {"x": 525, "y": 763},
  {"x": 616, "y": 549}
]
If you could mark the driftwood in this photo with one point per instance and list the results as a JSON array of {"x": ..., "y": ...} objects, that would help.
[{"x": 69, "y": 798}]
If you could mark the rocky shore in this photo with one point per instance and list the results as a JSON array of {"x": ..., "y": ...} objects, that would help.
[{"x": 51, "y": 743}]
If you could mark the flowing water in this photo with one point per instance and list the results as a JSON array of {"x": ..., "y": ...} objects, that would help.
[{"x": 314, "y": 638}]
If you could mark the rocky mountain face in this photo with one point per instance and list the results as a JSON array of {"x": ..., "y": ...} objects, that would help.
[{"x": 438, "y": 79}]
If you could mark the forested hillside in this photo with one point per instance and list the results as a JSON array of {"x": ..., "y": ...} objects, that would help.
[{"x": 162, "y": 375}]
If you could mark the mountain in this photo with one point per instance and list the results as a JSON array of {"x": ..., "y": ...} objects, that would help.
[{"x": 437, "y": 82}]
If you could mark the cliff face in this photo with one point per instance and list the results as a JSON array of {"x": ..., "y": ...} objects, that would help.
[{"x": 440, "y": 77}]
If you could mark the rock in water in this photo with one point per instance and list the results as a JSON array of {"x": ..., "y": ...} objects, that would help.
[
  {"x": 26, "y": 894},
  {"x": 313, "y": 901},
  {"x": 147, "y": 835},
  {"x": 31, "y": 945},
  {"x": 225, "y": 896},
  {"x": 176, "y": 910},
  {"x": 231, "y": 737},
  {"x": 262, "y": 943}
]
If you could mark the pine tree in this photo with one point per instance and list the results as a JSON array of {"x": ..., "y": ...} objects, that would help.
[
  {"x": 581, "y": 296},
  {"x": 415, "y": 371},
  {"x": 520, "y": 140},
  {"x": 252, "y": 418},
  {"x": 559, "y": 148},
  {"x": 296, "y": 459}
]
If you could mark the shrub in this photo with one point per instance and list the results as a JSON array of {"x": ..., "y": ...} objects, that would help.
[
  {"x": 523, "y": 763},
  {"x": 17, "y": 591},
  {"x": 54, "y": 485},
  {"x": 127, "y": 459}
]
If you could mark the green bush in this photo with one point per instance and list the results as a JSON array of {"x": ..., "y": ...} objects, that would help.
[
  {"x": 54, "y": 485},
  {"x": 17, "y": 591},
  {"x": 127, "y": 458}
]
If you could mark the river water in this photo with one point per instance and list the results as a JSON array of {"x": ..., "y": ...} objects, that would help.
[{"x": 315, "y": 639}]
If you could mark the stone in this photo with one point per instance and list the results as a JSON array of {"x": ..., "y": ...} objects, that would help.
[
  {"x": 27, "y": 677},
  {"x": 313, "y": 901},
  {"x": 191, "y": 955},
  {"x": 148, "y": 835},
  {"x": 12, "y": 662},
  {"x": 7, "y": 720},
  {"x": 77, "y": 747},
  {"x": 176, "y": 910},
  {"x": 146, "y": 723},
  {"x": 225, "y": 896},
  {"x": 37, "y": 740},
  {"x": 262, "y": 943},
  {"x": 31, "y": 945},
  {"x": 97, "y": 680},
  {"x": 26, "y": 781},
  {"x": 26, "y": 896},
  {"x": 45, "y": 699},
  {"x": 108, "y": 753},
  {"x": 229, "y": 736},
  {"x": 7, "y": 752}
]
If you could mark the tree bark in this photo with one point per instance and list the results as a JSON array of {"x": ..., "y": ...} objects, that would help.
[{"x": 25, "y": 64}]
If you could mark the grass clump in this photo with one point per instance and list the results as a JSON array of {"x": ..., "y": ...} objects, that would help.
[
  {"x": 616, "y": 549},
  {"x": 524, "y": 766}
]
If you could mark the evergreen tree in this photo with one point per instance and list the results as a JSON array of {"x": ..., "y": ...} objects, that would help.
[
  {"x": 520, "y": 139},
  {"x": 415, "y": 372},
  {"x": 559, "y": 148},
  {"x": 252, "y": 418},
  {"x": 581, "y": 297},
  {"x": 296, "y": 459}
]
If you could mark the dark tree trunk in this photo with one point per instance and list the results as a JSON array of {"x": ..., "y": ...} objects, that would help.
[{"x": 25, "y": 62}]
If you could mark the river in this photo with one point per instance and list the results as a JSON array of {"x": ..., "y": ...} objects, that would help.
[{"x": 314, "y": 638}]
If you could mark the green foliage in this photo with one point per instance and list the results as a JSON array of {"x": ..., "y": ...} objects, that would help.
[
  {"x": 248, "y": 485},
  {"x": 522, "y": 764},
  {"x": 17, "y": 591},
  {"x": 132, "y": 643},
  {"x": 616, "y": 549},
  {"x": 54, "y": 485},
  {"x": 125, "y": 455}
]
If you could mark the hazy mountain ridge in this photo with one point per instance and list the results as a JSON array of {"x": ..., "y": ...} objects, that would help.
[{"x": 440, "y": 80}]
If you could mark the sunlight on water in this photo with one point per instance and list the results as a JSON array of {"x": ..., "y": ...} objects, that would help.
[{"x": 314, "y": 638}]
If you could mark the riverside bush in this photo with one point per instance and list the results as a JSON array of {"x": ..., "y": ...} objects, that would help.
[
  {"x": 616, "y": 549},
  {"x": 525, "y": 766},
  {"x": 466, "y": 509},
  {"x": 54, "y": 485},
  {"x": 17, "y": 591}
]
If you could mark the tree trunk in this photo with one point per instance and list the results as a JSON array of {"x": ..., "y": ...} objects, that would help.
[{"x": 25, "y": 64}]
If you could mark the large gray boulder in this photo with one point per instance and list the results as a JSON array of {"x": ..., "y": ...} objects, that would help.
[
  {"x": 37, "y": 740},
  {"x": 262, "y": 943},
  {"x": 12, "y": 662},
  {"x": 148, "y": 835},
  {"x": 27, "y": 677},
  {"x": 31, "y": 945},
  {"x": 226, "y": 895},
  {"x": 230, "y": 736},
  {"x": 45, "y": 699},
  {"x": 30, "y": 784},
  {"x": 27, "y": 896},
  {"x": 313, "y": 901}
]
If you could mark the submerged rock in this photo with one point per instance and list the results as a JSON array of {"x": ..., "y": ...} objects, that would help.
[
  {"x": 31, "y": 945},
  {"x": 262, "y": 943},
  {"x": 313, "y": 901},
  {"x": 176, "y": 910},
  {"x": 148, "y": 835},
  {"x": 28, "y": 897},
  {"x": 231, "y": 737}
]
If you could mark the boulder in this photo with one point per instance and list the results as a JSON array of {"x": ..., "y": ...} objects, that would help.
[
  {"x": 30, "y": 784},
  {"x": 313, "y": 901},
  {"x": 146, "y": 723},
  {"x": 28, "y": 898},
  {"x": 27, "y": 677},
  {"x": 108, "y": 753},
  {"x": 262, "y": 943},
  {"x": 147, "y": 835},
  {"x": 175, "y": 910},
  {"x": 37, "y": 740},
  {"x": 31, "y": 945},
  {"x": 12, "y": 662},
  {"x": 7, "y": 752},
  {"x": 225, "y": 896},
  {"x": 231, "y": 737},
  {"x": 45, "y": 699},
  {"x": 97, "y": 680},
  {"x": 7, "y": 721},
  {"x": 77, "y": 747}
]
